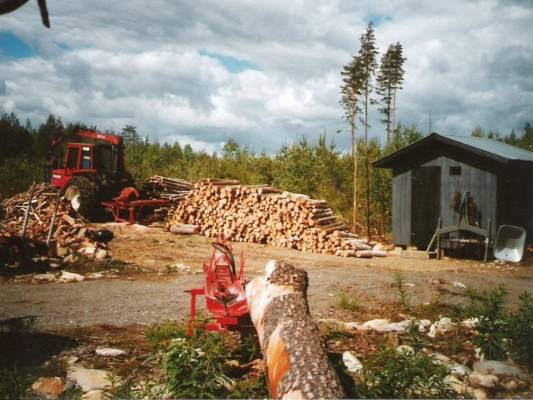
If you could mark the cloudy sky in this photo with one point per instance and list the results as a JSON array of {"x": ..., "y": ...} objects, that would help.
[{"x": 263, "y": 72}]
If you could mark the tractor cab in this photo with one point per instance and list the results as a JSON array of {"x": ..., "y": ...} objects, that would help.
[{"x": 92, "y": 172}]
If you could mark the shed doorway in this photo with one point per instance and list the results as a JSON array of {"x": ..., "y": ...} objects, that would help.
[{"x": 425, "y": 204}]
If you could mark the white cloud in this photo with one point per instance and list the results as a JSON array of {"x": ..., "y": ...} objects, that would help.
[{"x": 133, "y": 62}]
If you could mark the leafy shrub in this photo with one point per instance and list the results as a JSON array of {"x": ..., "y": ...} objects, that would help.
[
  {"x": 493, "y": 328},
  {"x": 348, "y": 302},
  {"x": 195, "y": 368},
  {"x": 521, "y": 331},
  {"x": 390, "y": 374}
]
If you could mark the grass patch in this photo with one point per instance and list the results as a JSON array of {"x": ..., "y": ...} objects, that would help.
[
  {"x": 348, "y": 302},
  {"x": 390, "y": 374},
  {"x": 161, "y": 334}
]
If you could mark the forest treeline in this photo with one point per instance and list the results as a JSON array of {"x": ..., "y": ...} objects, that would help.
[{"x": 319, "y": 169}]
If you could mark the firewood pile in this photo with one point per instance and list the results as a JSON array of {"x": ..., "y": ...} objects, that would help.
[
  {"x": 69, "y": 234},
  {"x": 263, "y": 214},
  {"x": 161, "y": 187}
]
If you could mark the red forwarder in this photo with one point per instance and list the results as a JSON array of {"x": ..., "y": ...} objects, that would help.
[{"x": 92, "y": 172}]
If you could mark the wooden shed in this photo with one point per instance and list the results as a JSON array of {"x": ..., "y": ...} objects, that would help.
[{"x": 431, "y": 175}]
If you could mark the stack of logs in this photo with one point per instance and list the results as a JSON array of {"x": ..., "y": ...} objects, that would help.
[
  {"x": 162, "y": 187},
  {"x": 69, "y": 233},
  {"x": 263, "y": 214}
]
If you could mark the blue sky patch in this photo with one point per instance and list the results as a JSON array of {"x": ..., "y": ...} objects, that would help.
[
  {"x": 377, "y": 19},
  {"x": 62, "y": 46},
  {"x": 232, "y": 64},
  {"x": 12, "y": 46}
]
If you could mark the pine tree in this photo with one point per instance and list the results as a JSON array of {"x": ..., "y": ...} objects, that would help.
[
  {"x": 367, "y": 54},
  {"x": 389, "y": 80},
  {"x": 350, "y": 93},
  {"x": 130, "y": 135}
]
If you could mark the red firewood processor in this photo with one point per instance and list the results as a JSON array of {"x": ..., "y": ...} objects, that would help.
[{"x": 224, "y": 292}]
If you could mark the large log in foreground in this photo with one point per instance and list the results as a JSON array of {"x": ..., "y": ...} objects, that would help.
[{"x": 297, "y": 364}]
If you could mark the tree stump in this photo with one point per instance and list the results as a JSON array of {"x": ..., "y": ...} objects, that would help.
[{"x": 295, "y": 357}]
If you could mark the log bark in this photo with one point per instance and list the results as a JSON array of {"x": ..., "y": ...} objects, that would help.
[
  {"x": 184, "y": 229},
  {"x": 295, "y": 357}
]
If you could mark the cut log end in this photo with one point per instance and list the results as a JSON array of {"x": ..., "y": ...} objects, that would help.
[{"x": 296, "y": 360}]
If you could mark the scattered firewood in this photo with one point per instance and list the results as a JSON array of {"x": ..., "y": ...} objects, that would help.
[
  {"x": 296, "y": 361},
  {"x": 69, "y": 232}
]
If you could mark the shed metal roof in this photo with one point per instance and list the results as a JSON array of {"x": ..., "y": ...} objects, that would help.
[{"x": 490, "y": 148}]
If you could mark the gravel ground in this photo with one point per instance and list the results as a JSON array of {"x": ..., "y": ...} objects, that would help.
[{"x": 149, "y": 298}]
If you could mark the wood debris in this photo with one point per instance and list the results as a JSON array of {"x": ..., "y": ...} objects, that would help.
[
  {"x": 69, "y": 233},
  {"x": 264, "y": 214}
]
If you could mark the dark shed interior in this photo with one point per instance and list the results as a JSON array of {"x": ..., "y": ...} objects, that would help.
[{"x": 432, "y": 175}]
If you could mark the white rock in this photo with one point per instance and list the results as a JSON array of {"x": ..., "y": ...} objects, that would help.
[
  {"x": 433, "y": 330},
  {"x": 498, "y": 368},
  {"x": 470, "y": 322},
  {"x": 89, "y": 379},
  {"x": 351, "y": 362},
  {"x": 484, "y": 380},
  {"x": 100, "y": 254},
  {"x": 409, "y": 284},
  {"x": 352, "y": 325},
  {"x": 401, "y": 326},
  {"x": 456, "y": 385},
  {"x": 479, "y": 394},
  {"x": 441, "y": 359},
  {"x": 441, "y": 327},
  {"x": 44, "y": 277},
  {"x": 445, "y": 325},
  {"x": 423, "y": 324},
  {"x": 94, "y": 395},
  {"x": 109, "y": 352},
  {"x": 70, "y": 277},
  {"x": 460, "y": 370},
  {"x": 182, "y": 267},
  {"x": 384, "y": 325},
  {"x": 95, "y": 275},
  {"x": 405, "y": 349},
  {"x": 459, "y": 285},
  {"x": 88, "y": 251},
  {"x": 380, "y": 325}
]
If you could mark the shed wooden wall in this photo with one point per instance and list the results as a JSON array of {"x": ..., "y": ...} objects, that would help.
[
  {"x": 481, "y": 184},
  {"x": 401, "y": 208}
]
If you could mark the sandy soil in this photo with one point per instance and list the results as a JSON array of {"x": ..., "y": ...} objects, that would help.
[{"x": 159, "y": 294}]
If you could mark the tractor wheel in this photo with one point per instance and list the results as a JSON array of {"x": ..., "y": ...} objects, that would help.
[{"x": 81, "y": 194}]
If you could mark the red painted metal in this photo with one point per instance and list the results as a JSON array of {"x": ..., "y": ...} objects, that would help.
[
  {"x": 223, "y": 290},
  {"x": 127, "y": 202}
]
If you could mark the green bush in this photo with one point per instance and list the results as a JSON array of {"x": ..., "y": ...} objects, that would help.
[
  {"x": 493, "y": 328},
  {"x": 410, "y": 375},
  {"x": 195, "y": 367},
  {"x": 521, "y": 331}
]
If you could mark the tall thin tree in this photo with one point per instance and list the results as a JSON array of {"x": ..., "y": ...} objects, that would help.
[
  {"x": 389, "y": 80},
  {"x": 367, "y": 54},
  {"x": 350, "y": 93}
]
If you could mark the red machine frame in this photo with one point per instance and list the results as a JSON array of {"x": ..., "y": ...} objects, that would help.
[
  {"x": 223, "y": 290},
  {"x": 127, "y": 202}
]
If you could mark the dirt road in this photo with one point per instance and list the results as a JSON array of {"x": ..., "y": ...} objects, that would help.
[{"x": 159, "y": 294}]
